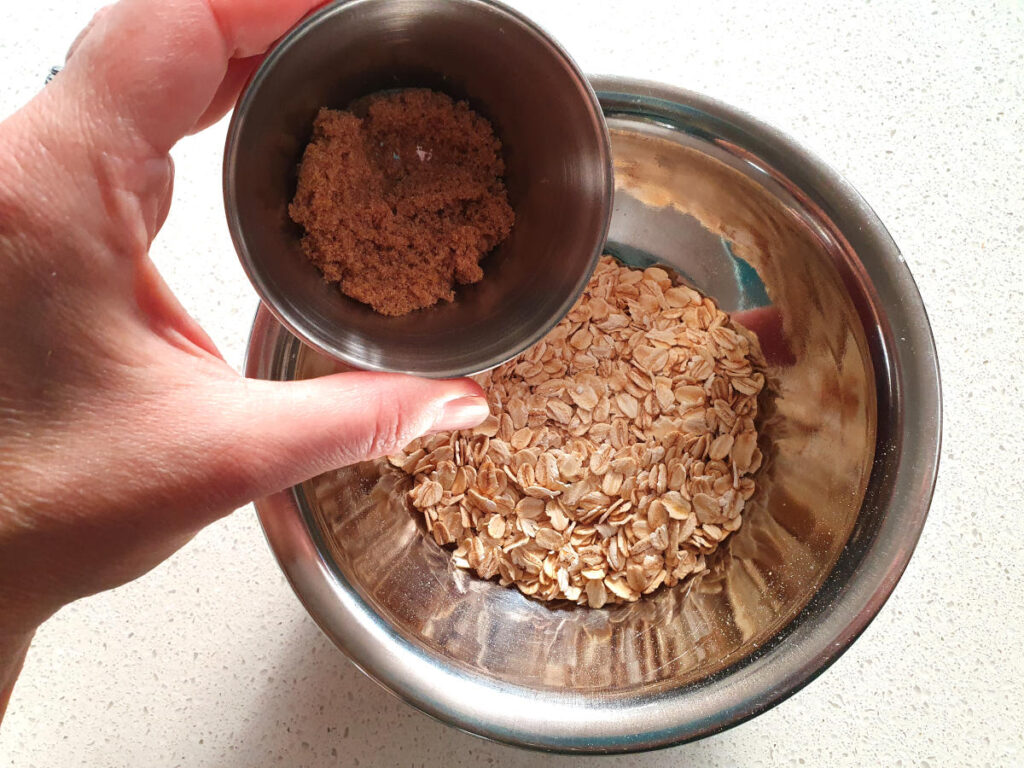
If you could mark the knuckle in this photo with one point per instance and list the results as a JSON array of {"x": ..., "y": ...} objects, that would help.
[{"x": 393, "y": 427}]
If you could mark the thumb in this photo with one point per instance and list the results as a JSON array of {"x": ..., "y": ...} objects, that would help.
[
  {"x": 277, "y": 434},
  {"x": 113, "y": 499}
]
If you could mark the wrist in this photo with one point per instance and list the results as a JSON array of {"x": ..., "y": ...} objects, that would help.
[
  {"x": 13, "y": 649},
  {"x": 22, "y": 608}
]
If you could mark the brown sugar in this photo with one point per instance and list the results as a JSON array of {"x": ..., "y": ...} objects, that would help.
[{"x": 401, "y": 198}]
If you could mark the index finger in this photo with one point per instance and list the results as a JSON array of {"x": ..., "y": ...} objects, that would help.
[{"x": 147, "y": 70}]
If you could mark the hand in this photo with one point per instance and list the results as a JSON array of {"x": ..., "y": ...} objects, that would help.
[{"x": 122, "y": 431}]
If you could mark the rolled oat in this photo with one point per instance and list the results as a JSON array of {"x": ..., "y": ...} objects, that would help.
[{"x": 620, "y": 452}]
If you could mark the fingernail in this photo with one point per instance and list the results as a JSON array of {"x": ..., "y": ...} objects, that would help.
[{"x": 461, "y": 413}]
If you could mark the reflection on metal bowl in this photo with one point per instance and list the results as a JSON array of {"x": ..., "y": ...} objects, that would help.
[{"x": 750, "y": 219}]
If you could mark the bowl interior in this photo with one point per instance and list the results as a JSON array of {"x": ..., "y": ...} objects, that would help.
[
  {"x": 852, "y": 451},
  {"x": 558, "y": 176},
  {"x": 751, "y": 245}
]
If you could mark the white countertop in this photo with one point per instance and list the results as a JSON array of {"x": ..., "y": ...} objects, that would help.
[{"x": 210, "y": 660}]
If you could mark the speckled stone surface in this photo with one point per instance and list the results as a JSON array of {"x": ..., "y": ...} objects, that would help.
[{"x": 210, "y": 660}]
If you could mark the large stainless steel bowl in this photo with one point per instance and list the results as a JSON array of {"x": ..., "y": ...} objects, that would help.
[{"x": 752, "y": 219}]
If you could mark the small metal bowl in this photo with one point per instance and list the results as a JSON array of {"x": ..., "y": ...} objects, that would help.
[
  {"x": 558, "y": 175},
  {"x": 752, "y": 219}
]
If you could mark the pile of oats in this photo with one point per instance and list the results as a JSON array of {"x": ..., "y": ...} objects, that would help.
[{"x": 620, "y": 451}]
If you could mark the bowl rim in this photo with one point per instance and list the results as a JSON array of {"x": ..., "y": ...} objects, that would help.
[
  {"x": 795, "y": 656},
  {"x": 324, "y": 342}
]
